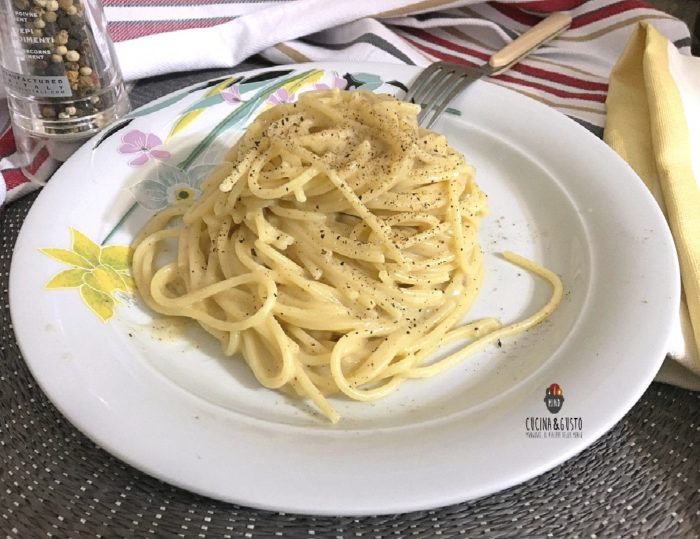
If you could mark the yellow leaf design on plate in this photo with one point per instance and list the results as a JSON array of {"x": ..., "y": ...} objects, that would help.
[
  {"x": 98, "y": 272},
  {"x": 189, "y": 117},
  {"x": 100, "y": 303},
  {"x": 85, "y": 247},
  {"x": 116, "y": 257},
  {"x": 68, "y": 257},
  {"x": 71, "y": 278},
  {"x": 105, "y": 279}
]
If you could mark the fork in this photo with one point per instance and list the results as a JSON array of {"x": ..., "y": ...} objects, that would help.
[{"x": 439, "y": 83}]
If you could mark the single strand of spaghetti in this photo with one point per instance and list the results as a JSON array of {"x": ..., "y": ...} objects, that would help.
[
  {"x": 224, "y": 249},
  {"x": 230, "y": 200},
  {"x": 195, "y": 258},
  {"x": 229, "y": 340},
  {"x": 255, "y": 348},
  {"x": 473, "y": 329},
  {"x": 240, "y": 170},
  {"x": 505, "y": 331},
  {"x": 183, "y": 256},
  {"x": 315, "y": 395},
  {"x": 418, "y": 276},
  {"x": 298, "y": 215},
  {"x": 454, "y": 211},
  {"x": 306, "y": 340},
  {"x": 314, "y": 269},
  {"x": 333, "y": 319},
  {"x": 415, "y": 297},
  {"x": 268, "y": 233}
]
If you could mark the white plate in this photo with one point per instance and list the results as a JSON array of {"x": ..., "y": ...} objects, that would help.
[{"x": 162, "y": 398}]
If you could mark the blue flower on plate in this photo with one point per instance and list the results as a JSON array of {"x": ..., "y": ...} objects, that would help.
[{"x": 171, "y": 186}]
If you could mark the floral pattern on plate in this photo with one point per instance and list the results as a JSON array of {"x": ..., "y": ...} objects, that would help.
[{"x": 101, "y": 274}]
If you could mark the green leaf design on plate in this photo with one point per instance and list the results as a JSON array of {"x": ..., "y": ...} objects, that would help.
[
  {"x": 195, "y": 110},
  {"x": 367, "y": 81},
  {"x": 179, "y": 96},
  {"x": 206, "y": 103}
]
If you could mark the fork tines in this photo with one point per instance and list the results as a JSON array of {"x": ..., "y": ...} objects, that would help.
[{"x": 435, "y": 87}]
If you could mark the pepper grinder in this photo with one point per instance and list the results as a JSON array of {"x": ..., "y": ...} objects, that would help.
[{"x": 60, "y": 72}]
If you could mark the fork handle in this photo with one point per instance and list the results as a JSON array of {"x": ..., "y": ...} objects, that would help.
[{"x": 525, "y": 43}]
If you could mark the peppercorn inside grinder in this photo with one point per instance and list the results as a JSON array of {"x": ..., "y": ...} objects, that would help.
[{"x": 59, "y": 69}]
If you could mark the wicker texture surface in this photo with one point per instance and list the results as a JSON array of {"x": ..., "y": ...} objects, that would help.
[{"x": 642, "y": 479}]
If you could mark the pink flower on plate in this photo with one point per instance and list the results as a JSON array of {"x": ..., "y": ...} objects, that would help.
[
  {"x": 281, "y": 96},
  {"x": 146, "y": 145},
  {"x": 337, "y": 82},
  {"x": 232, "y": 94}
]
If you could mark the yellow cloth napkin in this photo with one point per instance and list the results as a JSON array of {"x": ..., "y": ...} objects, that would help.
[{"x": 653, "y": 122}]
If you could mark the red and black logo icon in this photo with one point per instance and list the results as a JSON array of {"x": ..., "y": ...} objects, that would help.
[{"x": 554, "y": 398}]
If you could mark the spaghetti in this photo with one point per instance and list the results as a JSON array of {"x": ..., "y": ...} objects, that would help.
[{"x": 337, "y": 255}]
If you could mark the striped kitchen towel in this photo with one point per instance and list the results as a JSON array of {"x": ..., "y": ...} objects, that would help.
[{"x": 570, "y": 73}]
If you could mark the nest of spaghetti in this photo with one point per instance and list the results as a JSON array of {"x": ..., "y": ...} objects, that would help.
[{"x": 336, "y": 252}]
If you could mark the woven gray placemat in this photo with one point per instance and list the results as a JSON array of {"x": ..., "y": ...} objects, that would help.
[{"x": 642, "y": 479}]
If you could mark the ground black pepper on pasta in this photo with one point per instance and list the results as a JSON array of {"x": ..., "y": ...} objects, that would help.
[{"x": 336, "y": 251}]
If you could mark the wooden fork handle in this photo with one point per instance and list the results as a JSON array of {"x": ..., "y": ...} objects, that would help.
[{"x": 542, "y": 32}]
